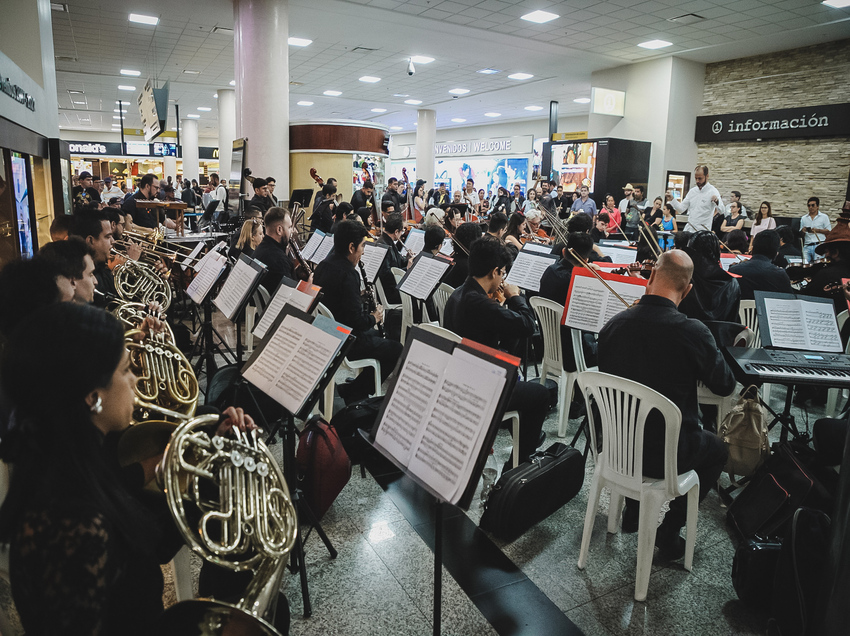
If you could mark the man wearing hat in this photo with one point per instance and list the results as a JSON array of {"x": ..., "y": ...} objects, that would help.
[
  {"x": 110, "y": 190},
  {"x": 627, "y": 201},
  {"x": 836, "y": 248},
  {"x": 85, "y": 193},
  {"x": 261, "y": 200}
]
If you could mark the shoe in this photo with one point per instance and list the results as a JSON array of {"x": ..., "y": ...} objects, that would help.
[
  {"x": 631, "y": 518},
  {"x": 349, "y": 392},
  {"x": 670, "y": 544}
]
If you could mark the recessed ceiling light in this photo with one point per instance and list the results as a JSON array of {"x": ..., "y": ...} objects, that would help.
[
  {"x": 299, "y": 42},
  {"x": 193, "y": 116},
  {"x": 233, "y": 82},
  {"x": 534, "y": 108},
  {"x": 117, "y": 110},
  {"x": 488, "y": 71},
  {"x": 305, "y": 103},
  {"x": 401, "y": 95},
  {"x": 82, "y": 104},
  {"x": 190, "y": 72},
  {"x": 458, "y": 120},
  {"x": 205, "y": 109},
  {"x": 492, "y": 114},
  {"x": 520, "y": 76},
  {"x": 126, "y": 71},
  {"x": 215, "y": 95},
  {"x": 459, "y": 91},
  {"x": 143, "y": 19},
  {"x": 370, "y": 79},
  {"x": 413, "y": 102},
  {"x": 837, "y": 4},
  {"x": 421, "y": 59},
  {"x": 379, "y": 110},
  {"x": 58, "y": 6},
  {"x": 655, "y": 44},
  {"x": 122, "y": 87},
  {"x": 396, "y": 128},
  {"x": 116, "y": 117},
  {"x": 332, "y": 93},
  {"x": 75, "y": 92},
  {"x": 540, "y": 17},
  {"x": 582, "y": 100}
]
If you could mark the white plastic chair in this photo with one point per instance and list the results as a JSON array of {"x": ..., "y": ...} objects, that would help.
[
  {"x": 725, "y": 403},
  {"x": 623, "y": 407},
  {"x": 549, "y": 315},
  {"x": 382, "y": 296},
  {"x": 441, "y": 297},
  {"x": 749, "y": 317},
  {"x": 350, "y": 365},
  {"x": 512, "y": 416},
  {"x": 253, "y": 313}
]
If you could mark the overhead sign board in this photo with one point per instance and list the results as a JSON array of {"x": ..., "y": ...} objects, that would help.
[
  {"x": 812, "y": 121},
  {"x": 605, "y": 101},
  {"x": 519, "y": 145}
]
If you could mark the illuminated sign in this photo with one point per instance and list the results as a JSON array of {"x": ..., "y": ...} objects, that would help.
[{"x": 604, "y": 101}]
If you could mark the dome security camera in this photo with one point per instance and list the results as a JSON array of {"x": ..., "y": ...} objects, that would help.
[{"x": 410, "y": 68}]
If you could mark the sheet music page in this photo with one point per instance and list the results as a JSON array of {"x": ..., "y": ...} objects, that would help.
[
  {"x": 373, "y": 256},
  {"x": 292, "y": 362},
  {"x": 802, "y": 325},
  {"x": 821, "y": 327},
  {"x": 447, "y": 248},
  {"x": 206, "y": 277},
  {"x": 235, "y": 288},
  {"x": 197, "y": 266},
  {"x": 312, "y": 245},
  {"x": 276, "y": 304},
  {"x": 300, "y": 300},
  {"x": 193, "y": 254},
  {"x": 620, "y": 255},
  {"x": 590, "y": 304},
  {"x": 415, "y": 241},
  {"x": 536, "y": 247},
  {"x": 527, "y": 271},
  {"x": 462, "y": 410},
  {"x": 324, "y": 249},
  {"x": 731, "y": 259},
  {"x": 424, "y": 277},
  {"x": 418, "y": 381}
]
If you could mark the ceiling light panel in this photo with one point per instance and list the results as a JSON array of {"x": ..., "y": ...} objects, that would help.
[
  {"x": 138, "y": 18},
  {"x": 130, "y": 73},
  {"x": 332, "y": 93},
  {"x": 370, "y": 79},
  {"x": 540, "y": 17},
  {"x": 305, "y": 103},
  {"x": 123, "y": 87},
  {"x": 459, "y": 91},
  {"x": 520, "y": 76},
  {"x": 413, "y": 102},
  {"x": 299, "y": 42},
  {"x": 655, "y": 44},
  {"x": 421, "y": 59}
]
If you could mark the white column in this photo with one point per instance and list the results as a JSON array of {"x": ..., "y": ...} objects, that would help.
[
  {"x": 426, "y": 133},
  {"x": 226, "y": 130},
  {"x": 169, "y": 169},
  {"x": 189, "y": 141},
  {"x": 261, "y": 54}
]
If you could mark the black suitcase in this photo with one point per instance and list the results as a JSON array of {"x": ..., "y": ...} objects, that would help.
[
  {"x": 533, "y": 490},
  {"x": 753, "y": 570}
]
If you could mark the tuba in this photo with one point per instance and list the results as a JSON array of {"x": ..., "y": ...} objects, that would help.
[
  {"x": 164, "y": 376},
  {"x": 139, "y": 282},
  {"x": 230, "y": 502}
]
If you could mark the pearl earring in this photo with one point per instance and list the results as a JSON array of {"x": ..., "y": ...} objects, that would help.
[{"x": 97, "y": 407}]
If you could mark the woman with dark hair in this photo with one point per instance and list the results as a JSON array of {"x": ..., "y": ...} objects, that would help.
[
  {"x": 452, "y": 220},
  {"x": 715, "y": 294},
  {"x": 462, "y": 240},
  {"x": 500, "y": 202},
  {"x": 513, "y": 235},
  {"x": 736, "y": 241},
  {"x": 85, "y": 553},
  {"x": 764, "y": 221},
  {"x": 341, "y": 213}
]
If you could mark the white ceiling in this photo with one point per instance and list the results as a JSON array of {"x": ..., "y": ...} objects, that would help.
[{"x": 94, "y": 40}]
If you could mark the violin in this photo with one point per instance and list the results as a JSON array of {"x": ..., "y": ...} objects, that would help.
[
  {"x": 842, "y": 287},
  {"x": 801, "y": 271},
  {"x": 643, "y": 268}
]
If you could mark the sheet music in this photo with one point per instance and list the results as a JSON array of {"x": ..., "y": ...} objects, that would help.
[
  {"x": 239, "y": 282},
  {"x": 285, "y": 295},
  {"x": 197, "y": 266},
  {"x": 312, "y": 245},
  {"x": 800, "y": 324},
  {"x": 436, "y": 429},
  {"x": 537, "y": 248},
  {"x": 621, "y": 255},
  {"x": 415, "y": 241},
  {"x": 447, "y": 248},
  {"x": 206, "y": 277},
  {"x": 292, "y": 362},
  {"x": 373, "y": 256},
  {"x": 590, "y": 305},
  {"x": 730, "y": 259},
  {"x": 324, "y": 249},
  {"x": 423, "y": 277},
  {"x": 192, "y": 255},
  {"x": 527, "y": 271}
]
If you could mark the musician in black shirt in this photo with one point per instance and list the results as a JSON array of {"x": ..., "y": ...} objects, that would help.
[
  {"x": 145, "y": 217},
  {"x": 689, "y": 354},
  {"x": 340, "y": 281},
  {"x": 836, "y": 248},
  {"x": 759, "y": 273},
  {"x": 363, "y": 202},
  {"x": 391, "y": 236},
  {"x": 716, "y": 294},
  {"x": 323, "y": 216},
  {"x": 465, "y": 236},
  {"x": 272, "y": 250},
  {"x": 471, "y": 313}
]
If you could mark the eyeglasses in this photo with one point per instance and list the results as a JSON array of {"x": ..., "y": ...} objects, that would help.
[{"x": 813, "y": 205}]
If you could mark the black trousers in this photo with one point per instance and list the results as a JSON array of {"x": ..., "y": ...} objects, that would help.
[
  {"x": 829, "y": 436},
  {"x": 531, "y": 399},
  {"x": 384, "y": 350}
]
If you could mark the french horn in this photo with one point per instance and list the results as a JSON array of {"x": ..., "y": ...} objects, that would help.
[
  {"x": 139, "y": 282},
  {"x": 164, "y": 376}
]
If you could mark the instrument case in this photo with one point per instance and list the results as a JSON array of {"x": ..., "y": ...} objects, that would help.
[{"x": 753, "y": 571}]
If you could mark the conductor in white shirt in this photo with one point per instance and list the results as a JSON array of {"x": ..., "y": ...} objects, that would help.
[{"x": 700, "y": 203}]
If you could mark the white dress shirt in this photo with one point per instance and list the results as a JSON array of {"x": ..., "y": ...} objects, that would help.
[{"x": 699, "y": 207}]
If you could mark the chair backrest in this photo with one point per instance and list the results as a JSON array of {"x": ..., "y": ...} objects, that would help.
[
  {"x": 441, "y": 331},
  {"x": 549, "y": 315},
  {"x": 623, "y": 407},
  {"x": 260, "y": 300},
  {"x": 841, "y": 318},
  {"x": 406, "y": 314},
  {"x": 745, "y": 339},
  {"x": 749, "y": 318},
  {"x": 578, "y": 350},
  {"x": 398, "y": 273},
  {"x": 440, "y": 298},
  {"x": 321, "y": 310}
]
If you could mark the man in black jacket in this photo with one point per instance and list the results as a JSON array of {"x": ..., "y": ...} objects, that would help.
[
  {"x": 391, "y": 236},
  {"x": 464, "y": 236},
  {"x": 260, "y": 200},
  {"x": 145, "y": 217},
  {"x": 323, "y": 216},
  {"x": 271, "y": 251},
  {"x": 364, "y": 198},
  {"x": 393, "y": 195},
  {"x": 759, "y": 273},
  {"x": 689, "y": 354},
  {"x": 340, "y": 279},
  {"x": 471, "y": 313}
]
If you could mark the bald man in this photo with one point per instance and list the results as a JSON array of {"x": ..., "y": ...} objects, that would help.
[{"x": 655, "y": 344}]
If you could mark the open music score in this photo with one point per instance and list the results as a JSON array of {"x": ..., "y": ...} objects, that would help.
[
  {"x": 528, "y": 269},
  {"x": 373, "y": 257},
  {"x": 192, "y": 255},
  {"x": 213, "y": 265},
  {"x": 239, "y": 285},
  {"x": 731, "y": 259},
  {"x": 216, "y": 250},
  {"x": 536, "y": 248},
  {"x": 424, "y": 275},
  {"x": 447, "y": 249},
  {"x": 415, "y": 241},
  {"x": 312, "y": 245},
  {"x": 590, "y": 304},
  {"x": 289, "y": 364},
  {"x": 619, "y": 252},
  {"x": 441, "y": 433},
  {"x": 789, "y": 321},
  {"x": 301, "y": 295}
]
